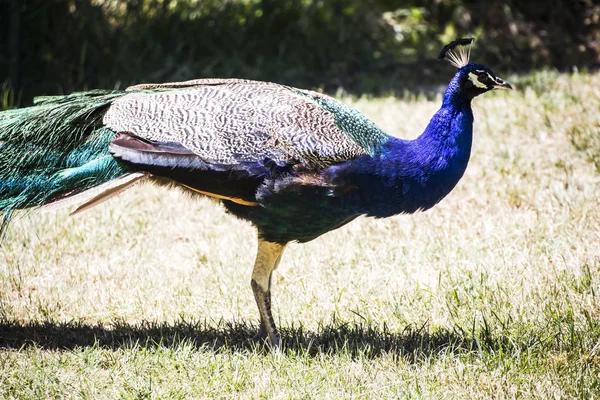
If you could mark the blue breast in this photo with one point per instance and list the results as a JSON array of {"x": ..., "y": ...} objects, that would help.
[{"x": 410, "y": 175}]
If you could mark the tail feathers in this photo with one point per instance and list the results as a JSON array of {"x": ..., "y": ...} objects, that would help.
[
  {"x": 94, "y": 196},
  {"x": 110, "y": 190},
  {"x": 53, "y": 150}
]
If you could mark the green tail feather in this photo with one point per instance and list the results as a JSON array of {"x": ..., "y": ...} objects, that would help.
[{"x": 54, "y": 149}]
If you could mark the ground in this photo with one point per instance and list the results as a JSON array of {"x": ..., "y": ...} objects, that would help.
[{"x": 492, "y": 293}]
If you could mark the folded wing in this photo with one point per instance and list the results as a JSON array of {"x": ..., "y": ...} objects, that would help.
[{"x": 238, "y": 122}]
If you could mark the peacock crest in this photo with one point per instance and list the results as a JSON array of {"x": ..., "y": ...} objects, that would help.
[{"x": 457, "y": 52}]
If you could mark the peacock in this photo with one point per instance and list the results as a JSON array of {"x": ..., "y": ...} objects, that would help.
[{"x": 295, "y": 163}]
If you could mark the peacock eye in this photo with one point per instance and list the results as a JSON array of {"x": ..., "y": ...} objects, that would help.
[{"x": 484, "y": 78}]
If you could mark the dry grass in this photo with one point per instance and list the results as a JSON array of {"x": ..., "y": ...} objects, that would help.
[{"x": 490, "y": 294}]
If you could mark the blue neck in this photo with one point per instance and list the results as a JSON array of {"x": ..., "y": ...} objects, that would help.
[{"x": 410, "y": 175}]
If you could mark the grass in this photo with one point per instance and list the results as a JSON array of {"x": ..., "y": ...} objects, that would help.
[{"x": 491, "y": 294}]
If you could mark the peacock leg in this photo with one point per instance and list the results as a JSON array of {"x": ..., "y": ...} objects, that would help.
[{"x": 267, "y": 260}]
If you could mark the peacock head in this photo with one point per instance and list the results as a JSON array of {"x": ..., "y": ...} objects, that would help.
[{"x": 471, "y": 79}]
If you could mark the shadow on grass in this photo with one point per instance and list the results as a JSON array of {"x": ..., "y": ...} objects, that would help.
[{"x": 356, "y": 340}]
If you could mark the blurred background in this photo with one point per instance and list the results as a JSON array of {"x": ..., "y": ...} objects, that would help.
[{"x": 363, "y": 46}]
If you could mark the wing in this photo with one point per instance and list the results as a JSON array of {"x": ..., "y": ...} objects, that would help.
[{"x": 238, "y": 122}]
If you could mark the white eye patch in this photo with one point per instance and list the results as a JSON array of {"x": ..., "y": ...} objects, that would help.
[{"x": 475, "y": 80}]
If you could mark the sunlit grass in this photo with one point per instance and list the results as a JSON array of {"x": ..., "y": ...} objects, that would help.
[{"x": 493, "y": 293}]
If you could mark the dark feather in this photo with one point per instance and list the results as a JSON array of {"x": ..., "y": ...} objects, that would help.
[
  {"x": 138, "y": 151},
  {"x": 452, "y": 45}
]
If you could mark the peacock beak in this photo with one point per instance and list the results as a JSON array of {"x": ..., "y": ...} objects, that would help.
[{"x": 501, "y": 84}]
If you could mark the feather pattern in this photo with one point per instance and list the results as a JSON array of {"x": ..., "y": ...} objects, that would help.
[
  {"x": 53, "y": 150},
  {"x": 237, "y": 121}
]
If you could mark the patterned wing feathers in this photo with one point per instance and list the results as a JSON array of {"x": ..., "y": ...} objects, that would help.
[
  {"x": 190, "y": 83},
  {"x": 231, "y": 121}
]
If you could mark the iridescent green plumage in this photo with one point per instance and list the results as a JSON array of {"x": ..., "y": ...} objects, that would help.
[
  {"x": 54, "y": 149},
  {"x": 358, "y": 127}
]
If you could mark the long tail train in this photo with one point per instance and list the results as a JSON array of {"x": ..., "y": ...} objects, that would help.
[{"x": 56, "y": 150}]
